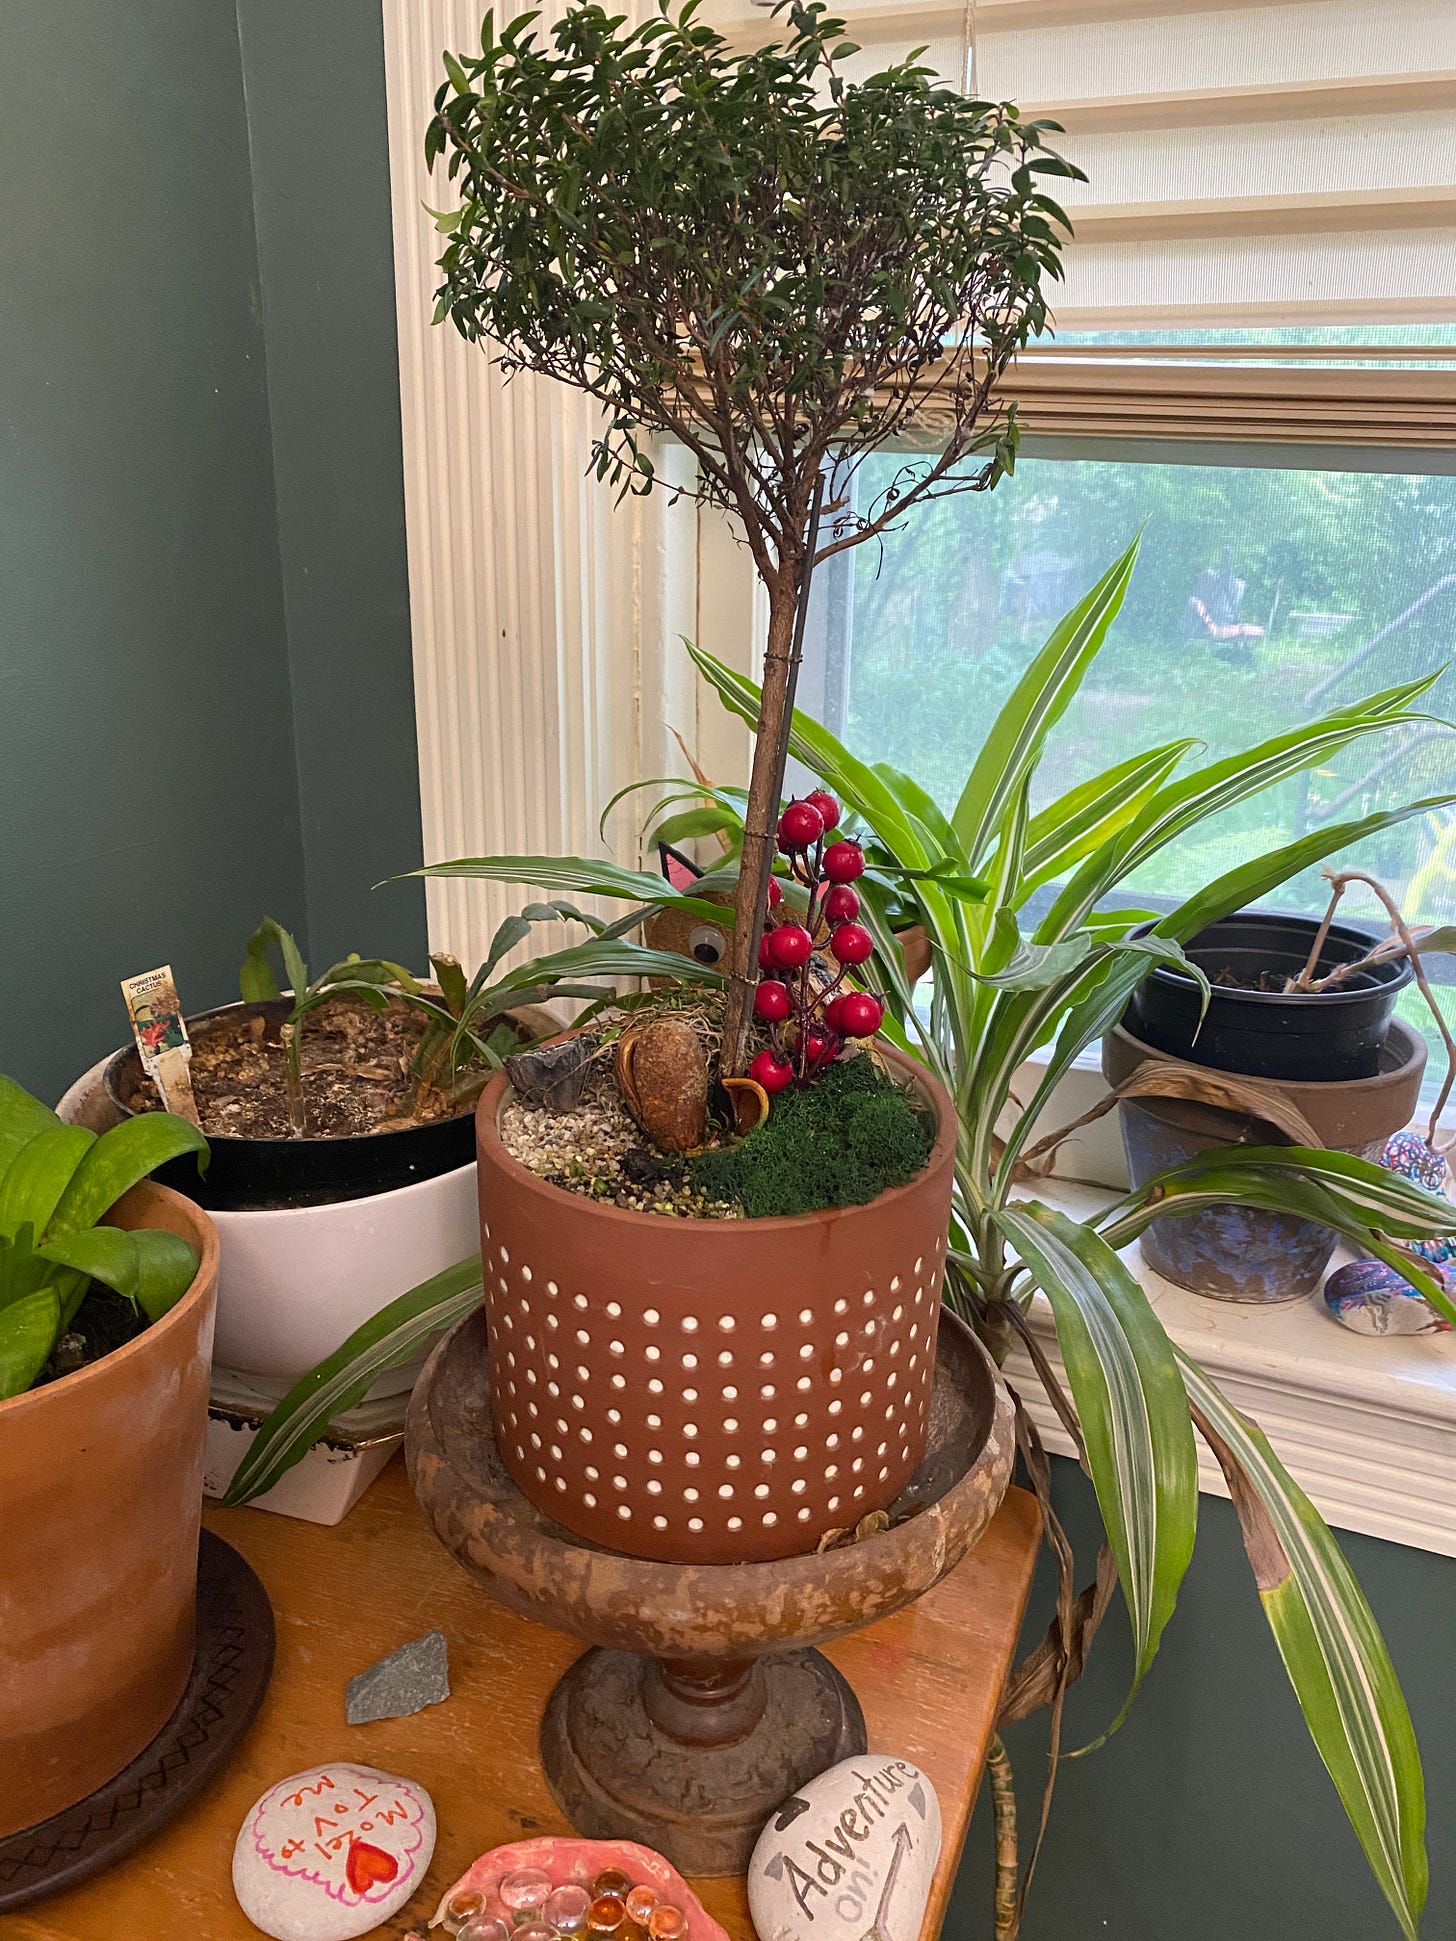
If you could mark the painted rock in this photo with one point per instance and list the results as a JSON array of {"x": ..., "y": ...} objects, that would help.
[
  {"x": 1371, "y": 1298},
  {"x": 1408, "y": 1154},
  {"x": 332, "y": 1852},
  {"x": 849, "y": 1856},
  {"x": 551, "y": 1884}
]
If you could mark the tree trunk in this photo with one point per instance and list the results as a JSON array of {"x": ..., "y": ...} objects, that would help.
[{"x": 760, "y": 821}]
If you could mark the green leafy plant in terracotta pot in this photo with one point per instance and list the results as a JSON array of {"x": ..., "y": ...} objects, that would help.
[{"x": 106, "y": 1307}]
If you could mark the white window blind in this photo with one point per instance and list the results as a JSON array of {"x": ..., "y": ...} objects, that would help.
[
  {"x": 1281, "y": 171},
  {"x": 1282, "y": 162},
  {"x": 1266, "y": 164}
]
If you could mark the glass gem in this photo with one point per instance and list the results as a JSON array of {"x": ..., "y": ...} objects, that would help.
[
  {"x": 640, "y": 1903},
  {"x": 528, "y": 1888},
  {"x": 606, "y": 1914},
  {"x": 535, "y": 1931},
  {"x": 613, "y": 1882},
  {"x": 565, "y": 1910},
  {"x": 464, "y": 1907},
  {"x": 485, "y": 1927},
  {"x": 667, "y": 1924}
]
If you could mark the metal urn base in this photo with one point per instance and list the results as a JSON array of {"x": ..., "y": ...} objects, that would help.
[
  {"x": 704, "y": 1705},
  {"x": 635, "y": 1748}
]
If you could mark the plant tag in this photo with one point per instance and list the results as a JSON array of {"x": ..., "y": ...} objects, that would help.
[{"x": 161, "y": 1036}]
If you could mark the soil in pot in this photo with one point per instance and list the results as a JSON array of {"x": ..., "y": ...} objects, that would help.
[
  {"x": 370, "y": 1125},
  {"x": 840, "y": 1141},
  {"x": 1252, "y": 1024},
  {"x": 358, "y": 1072},
  {"x": 104, "y": 1321}
]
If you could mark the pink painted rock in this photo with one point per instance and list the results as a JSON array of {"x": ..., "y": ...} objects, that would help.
[
  {"x": 332, "y": 1852},
  {"x": 476, "y": 1895}
]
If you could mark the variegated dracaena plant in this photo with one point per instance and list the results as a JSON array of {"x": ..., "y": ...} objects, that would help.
[{"x": 1135, "y": 1399}]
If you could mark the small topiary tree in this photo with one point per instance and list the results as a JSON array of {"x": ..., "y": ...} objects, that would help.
[{"x": 752, "y": 255}]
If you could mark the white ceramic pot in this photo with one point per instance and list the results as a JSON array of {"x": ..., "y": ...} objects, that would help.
[{"x": 296, "y": 1281}]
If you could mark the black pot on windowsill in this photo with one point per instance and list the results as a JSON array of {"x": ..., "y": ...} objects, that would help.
[{"x": 1308, "y": 1036}]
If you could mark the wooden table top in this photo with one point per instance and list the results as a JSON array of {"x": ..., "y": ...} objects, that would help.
[{"x": 928, "y": 1678}]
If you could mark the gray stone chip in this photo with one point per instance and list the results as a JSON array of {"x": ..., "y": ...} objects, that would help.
[{"x": 408, "y": 1680}]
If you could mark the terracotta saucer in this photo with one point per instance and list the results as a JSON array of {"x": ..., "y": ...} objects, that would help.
[{"x": 230, "y": 1674}]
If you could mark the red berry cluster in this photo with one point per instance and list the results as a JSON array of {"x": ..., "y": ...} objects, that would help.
[{"x": 810, "y": 1024}]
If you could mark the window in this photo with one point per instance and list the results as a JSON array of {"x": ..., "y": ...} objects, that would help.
[{"x": 1263, "y": 596}]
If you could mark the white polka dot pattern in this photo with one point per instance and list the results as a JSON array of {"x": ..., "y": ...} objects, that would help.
[{"x": 760, "y": 1464}]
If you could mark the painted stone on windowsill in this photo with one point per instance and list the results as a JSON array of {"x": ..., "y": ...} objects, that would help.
[
  {"x": 332, "y": 1852},
  {"x": 851, "y": 1855},
  {"x": 1407, "y": 1154},
  {"x": 1368, "y": 1297}
]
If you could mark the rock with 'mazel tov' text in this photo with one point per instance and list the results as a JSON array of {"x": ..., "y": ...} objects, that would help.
[{"x": 849, "y": 1857}]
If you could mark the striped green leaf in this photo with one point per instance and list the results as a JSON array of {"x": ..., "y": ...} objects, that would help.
[
  {"x": 1368, "y": 1192},
  {"x": 1032, "y": 967},
  {"x": 586, "y": 875},
  {"x": 1013, "y": 746},
  {"x": 922, "y": 805},
  {"x": 608, "y": 957},
  {"x": 1249, "y": 881},
  {"x": 1091, "y": 814},
  {"x": 392, "y": 1337},
  {"x": 1132, "y": 1408},
  {"x": 858, "y": 786},
  {"x": 1332, "y": 1649},
  {"x": 1076, "y": 1010},
  {"x": 1181, "y": 805},
  {"x": 1276, "y": 1191}
]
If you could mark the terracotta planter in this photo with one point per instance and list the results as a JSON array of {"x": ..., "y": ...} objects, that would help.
[
  {"x": 711, "y": 1391},
  {"x": 1238, "y": 1253},
  {"x": 100, "y": 1503}
]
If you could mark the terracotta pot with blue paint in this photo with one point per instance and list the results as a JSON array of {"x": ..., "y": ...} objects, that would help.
[{"x": 1234, "y": 1253}]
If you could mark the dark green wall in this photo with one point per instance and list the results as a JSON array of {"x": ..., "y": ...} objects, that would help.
[
  {"x": 314, "y": 83},
  {"x": 202, "y": 582},
  {"x": 1209, "y": 1816}
]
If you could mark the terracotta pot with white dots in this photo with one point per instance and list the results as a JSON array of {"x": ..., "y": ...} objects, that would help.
[{"x": 711, "y": 1391}]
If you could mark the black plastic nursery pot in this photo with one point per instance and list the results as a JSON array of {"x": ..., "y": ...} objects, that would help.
[
  {"x": 250, "y": 1174},
  {"x": 1310, "y": 1036}
]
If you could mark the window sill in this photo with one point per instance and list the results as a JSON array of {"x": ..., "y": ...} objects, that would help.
[{"x": 1366, "y": 1425}]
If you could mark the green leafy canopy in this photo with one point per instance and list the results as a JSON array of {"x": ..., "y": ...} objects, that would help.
[{"x": 745, "y": 251}]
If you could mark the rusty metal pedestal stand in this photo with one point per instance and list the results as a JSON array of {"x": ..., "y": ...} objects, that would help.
[{"x": 704, "y": 1705}]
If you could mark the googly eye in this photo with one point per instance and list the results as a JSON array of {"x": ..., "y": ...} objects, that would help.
[{"x": 708, "y": 943}]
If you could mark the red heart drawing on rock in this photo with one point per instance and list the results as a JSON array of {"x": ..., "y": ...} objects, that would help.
[{"x": 366, "y": 1865}]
